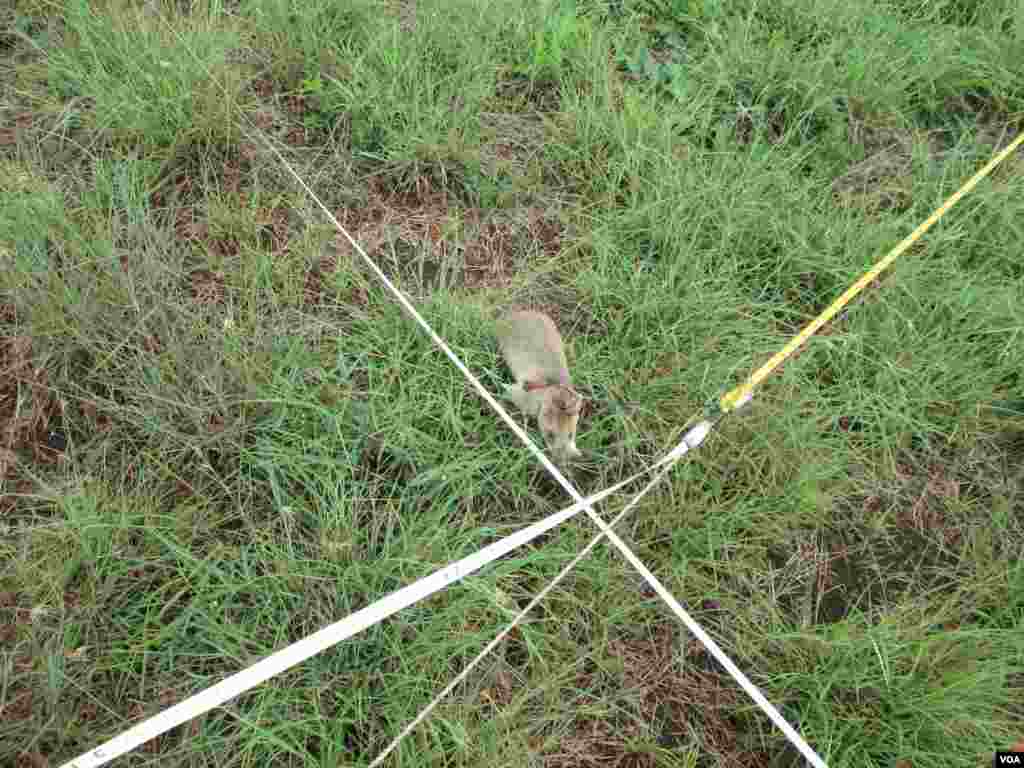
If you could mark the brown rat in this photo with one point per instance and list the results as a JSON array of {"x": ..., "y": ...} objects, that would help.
[{"x": 532, "y": 348}]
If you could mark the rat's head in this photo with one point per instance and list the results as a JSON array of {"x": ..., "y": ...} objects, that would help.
[{"x": 559, "y": 413}]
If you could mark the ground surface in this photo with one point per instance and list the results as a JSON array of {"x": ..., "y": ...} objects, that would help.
[{"x": 218, "y": 434}]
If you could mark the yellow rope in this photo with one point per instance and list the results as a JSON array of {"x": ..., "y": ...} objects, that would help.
[{"x": 740, "y": 394}]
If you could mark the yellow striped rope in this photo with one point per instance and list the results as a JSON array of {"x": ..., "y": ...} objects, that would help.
[{"x": 737, "y": 396}]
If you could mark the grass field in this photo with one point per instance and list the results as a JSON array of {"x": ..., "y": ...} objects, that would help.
[{"x": 218, "y": 433}]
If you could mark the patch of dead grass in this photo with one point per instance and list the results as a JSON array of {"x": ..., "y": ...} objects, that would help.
[
  {"x": 539, "y": 94},
  {"x": 674, "y": 700},
  {"x": 206, "y": 287},
  {"x": 27, "y": 405},
  {"x": 513, "y": 141},
  {"x": 484, "y": 247},
  {"x": 882, "y": 181}
]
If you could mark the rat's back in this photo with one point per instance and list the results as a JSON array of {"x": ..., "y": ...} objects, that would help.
[{"x": 532, "y": 347}]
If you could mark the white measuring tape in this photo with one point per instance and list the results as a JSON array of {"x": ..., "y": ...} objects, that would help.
[
  {"x": 692, "y": 440},
  {"x": 288, "y": 657}
]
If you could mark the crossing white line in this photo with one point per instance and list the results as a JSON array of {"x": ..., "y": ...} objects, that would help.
[{"x": 288, "y": 657}]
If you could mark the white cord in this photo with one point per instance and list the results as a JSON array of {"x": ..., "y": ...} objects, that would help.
[
  {"x": 669, "y": 462},
  {"x": 356, "y": 622}
]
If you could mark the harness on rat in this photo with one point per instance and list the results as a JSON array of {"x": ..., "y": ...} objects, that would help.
[{"x": 563, "y": 381}]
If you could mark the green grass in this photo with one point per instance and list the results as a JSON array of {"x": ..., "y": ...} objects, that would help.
[{"x": 220, "y": 434}]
